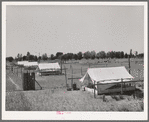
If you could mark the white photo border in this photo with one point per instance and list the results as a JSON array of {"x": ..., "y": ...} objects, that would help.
[{"x": 75, "y": 115}]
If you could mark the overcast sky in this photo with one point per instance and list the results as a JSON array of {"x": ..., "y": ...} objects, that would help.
[{"x": 50, "y": 29}]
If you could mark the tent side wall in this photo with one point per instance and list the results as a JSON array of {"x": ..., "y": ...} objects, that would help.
[{"x": 114, "y": 88}]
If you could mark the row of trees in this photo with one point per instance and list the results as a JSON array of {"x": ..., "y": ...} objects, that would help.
[{"x": 78, "y": 56}]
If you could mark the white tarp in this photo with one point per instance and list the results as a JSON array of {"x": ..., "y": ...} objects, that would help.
[
  {"x": 46, "y": 66},
  {"x": 22, "y": 62},
  {"x": 31, "y": 64},
  {"x": 108, "y": 74}
]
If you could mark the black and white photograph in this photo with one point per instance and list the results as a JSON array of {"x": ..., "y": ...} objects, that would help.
[{"x": 74, "y": 61}]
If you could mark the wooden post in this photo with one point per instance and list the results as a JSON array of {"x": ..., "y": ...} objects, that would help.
[
  {"x": 81, "y": 71},
  {"x": 17, "y": 71},
  {"x": 72, "y": 79},
  {"x": 94, "y": 90},
  {"x": 139, "y": 73},
  {"x": 129, "y": 63},
  {"x": 104, "y": 98},
  {"x": 121, "y": 86},
  {"x": 21, "y": 70},
  {"x": 12, "y": 69},
  {"x": 61, "y": 65},
  {"x": 65, "y": 76},
  {"x": 33, "y": 81}
]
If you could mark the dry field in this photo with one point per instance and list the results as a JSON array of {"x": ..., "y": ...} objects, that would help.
[{"x": 55, "y": 97}]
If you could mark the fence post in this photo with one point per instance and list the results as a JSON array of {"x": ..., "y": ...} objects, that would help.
[
  {"x": 139, "y": 74},
  {"x": 21, "y": 70},
  {"x": 65, "y": 76},
  {"x": 104, "y": 98},
  {"x": 72, "y": 79},
  {"x": 121, "y": 86},
  {"x": 12, "y": 69},
  {"x": 17, "y": 71},
  {"x": 81, "y": 71},
  {"x": 129, "y": 63},
  {"x": 33, "y": 81},
  {"x": 94, "y": 90},
  {"x": 61, "y": 65}
]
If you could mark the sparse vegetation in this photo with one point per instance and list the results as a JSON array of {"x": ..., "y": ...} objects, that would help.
[{"x": 55, "y": 97}]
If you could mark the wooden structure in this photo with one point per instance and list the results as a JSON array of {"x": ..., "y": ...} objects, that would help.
[{"x": 28, "y": 81}]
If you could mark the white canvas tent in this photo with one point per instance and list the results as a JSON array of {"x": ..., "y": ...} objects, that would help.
[
  {"x": 107, "y": 75},
  {"x": 22, "y": 62},
  {"x": 44, "y": 68},
  {"x": 29, "y": 64}
]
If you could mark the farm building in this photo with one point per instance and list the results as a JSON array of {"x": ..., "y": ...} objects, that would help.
[
  {"x": 48, "y": 68},
  {"x": 108, "y": 80},
  {"x": 22, "y": 62}
]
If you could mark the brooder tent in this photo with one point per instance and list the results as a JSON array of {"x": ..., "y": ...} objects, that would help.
[
  {"x": 22, "y": 62},
  {"x": 29, "y": 64},
  {"x": 106, "y": 78},
  {"x": 48, "y": 68}
]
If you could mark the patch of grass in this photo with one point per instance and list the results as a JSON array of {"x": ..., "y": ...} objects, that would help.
[{"x": 16, "y": 101}]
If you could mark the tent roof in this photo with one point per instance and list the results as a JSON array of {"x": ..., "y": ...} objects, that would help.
[
  {"x": 31, "y": 64},
  {"x": 48, "y": 66},
  {"x": 22, "y": 62},
  {"x": 108, "y": 73}
]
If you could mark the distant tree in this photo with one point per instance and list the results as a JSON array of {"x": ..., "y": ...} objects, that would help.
[
  {"x": 31, "y": 58},
  {"x": 126, "y": 55},
  {"x": 44, "y": 57},
  {"x": 75, "y": 56},
  {"x": 93, "y": 54},
  {"x": 87, "y": 55},
  {"x": 59, "y": 54},
  {"x": 102, "y": 54},
  {"x": 108, "y": 55},
  {"x": 135, "y": 53},
  {"x": 35, "y": 58},
  {"x": 98, "y": 55},
  {"x": 79, "y": 55},
  {"x": 112, "y": 54},
  {"x": 39, "y": 58},
  {"x": 69, "y": 56},
  {"x": 121, "y": 54},
  {"x": 52, "y": 57},
  {"x": 24, "y": 58},
  {"x": 141, "y": 55},
  {"x": 28, "y": 54},
  {"x": 118, "y": 54},
  {"x": 10, "y": 59},
  {"x": 19, "y": 57}
]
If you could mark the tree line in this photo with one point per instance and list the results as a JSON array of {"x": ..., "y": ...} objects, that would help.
[{"x": 77, "y": 56}]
